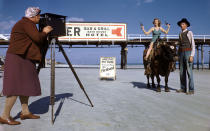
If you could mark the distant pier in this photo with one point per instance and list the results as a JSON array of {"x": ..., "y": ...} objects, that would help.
[{"x": 133, "y": 40}]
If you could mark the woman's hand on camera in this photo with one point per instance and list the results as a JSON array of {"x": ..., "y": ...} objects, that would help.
[{"x": 47, "y": 29}]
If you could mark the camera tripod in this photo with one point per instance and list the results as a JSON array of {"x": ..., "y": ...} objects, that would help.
[{"x": 52, "y": 42}]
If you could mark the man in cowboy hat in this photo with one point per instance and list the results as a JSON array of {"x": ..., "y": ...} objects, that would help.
[{"x": 186, "y": 54}]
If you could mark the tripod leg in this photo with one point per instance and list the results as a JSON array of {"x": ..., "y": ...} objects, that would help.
[
  {"x": 52, "y": 92},
  {"x": 75, "y": 74}
]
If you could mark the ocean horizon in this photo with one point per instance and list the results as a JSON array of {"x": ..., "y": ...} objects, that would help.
[{"x": 91, "y": 56}]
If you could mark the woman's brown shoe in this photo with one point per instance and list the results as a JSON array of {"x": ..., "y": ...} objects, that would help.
[
  {"x": 28, "y": 116},
  {"x": 9, "y": 121}
]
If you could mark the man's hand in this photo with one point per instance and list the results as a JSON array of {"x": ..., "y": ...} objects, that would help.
[
  {"x": 47, "y": 29},
  {"x": 191, "y": 59}
]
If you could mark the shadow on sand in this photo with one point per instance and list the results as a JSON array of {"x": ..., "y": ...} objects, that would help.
[
  {"x": 142, "y": 85},
  {"x": 41, "y": 106}
]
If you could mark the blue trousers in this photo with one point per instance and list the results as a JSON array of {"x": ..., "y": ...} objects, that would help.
[{"x": 186, "y": 68}]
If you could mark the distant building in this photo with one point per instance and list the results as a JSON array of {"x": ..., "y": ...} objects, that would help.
[{"x": 48, "y": 62}]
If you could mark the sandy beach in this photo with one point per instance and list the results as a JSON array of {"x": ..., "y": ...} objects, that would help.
[{"x": 121, "y": 105}]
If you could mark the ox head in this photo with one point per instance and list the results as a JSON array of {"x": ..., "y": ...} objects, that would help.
[
  {"x": 169, "y": 50},
  {"x": 172, "y": 48}
]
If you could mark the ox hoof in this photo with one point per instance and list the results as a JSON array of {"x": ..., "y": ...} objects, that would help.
[
  {"x": 153, "y": 86},
  {"x": 148, "y": 86},
  {"x": 158, "y": 89}
]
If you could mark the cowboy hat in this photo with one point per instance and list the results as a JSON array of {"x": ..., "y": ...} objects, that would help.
[{"x": 184, "y": 20}]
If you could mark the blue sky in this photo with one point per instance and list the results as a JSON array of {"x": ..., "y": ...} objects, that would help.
[{"x": 127, "y": 11}]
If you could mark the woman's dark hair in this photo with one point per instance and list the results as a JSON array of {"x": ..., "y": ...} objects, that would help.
[{"x": 159, "y": 22}]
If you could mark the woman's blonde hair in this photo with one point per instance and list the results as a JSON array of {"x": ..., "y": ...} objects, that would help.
[{"x": 159, "y": 22}]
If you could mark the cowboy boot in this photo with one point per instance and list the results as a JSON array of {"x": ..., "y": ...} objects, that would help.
[
  {"x": 181, "y": 91},
  {"x": 190, "y": 93}
]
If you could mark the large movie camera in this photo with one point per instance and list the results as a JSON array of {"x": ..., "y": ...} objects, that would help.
[{"x": 57, "y": 22}]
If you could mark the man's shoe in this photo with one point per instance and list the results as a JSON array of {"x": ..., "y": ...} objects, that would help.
[
  {"x": 190, "y": 93},
  {"x": 28, "y": 116},
  {"x": 9, "y": 121},
  {"x": 181, "y": 91}
]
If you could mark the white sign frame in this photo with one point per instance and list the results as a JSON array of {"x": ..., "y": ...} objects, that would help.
[{"x": 107, "y": 68}]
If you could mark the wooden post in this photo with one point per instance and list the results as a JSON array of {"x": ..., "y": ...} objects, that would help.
[
  {"x": 124, "y": 56},
  {"x": 126, "y": 52},
  {"x": 202, "y": 58},
  {"x": 197, "y": 47},
  {"x": 209, "y": 60}
]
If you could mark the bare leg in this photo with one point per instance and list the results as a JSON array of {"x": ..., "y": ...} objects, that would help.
[
  {"x": 149, "y": 50},
  {"x": 24, "y": 104},
  {"x": 26, "y": 114},
  {"x": 147, "y": 58},
  {"x": 10, "y": 101}
]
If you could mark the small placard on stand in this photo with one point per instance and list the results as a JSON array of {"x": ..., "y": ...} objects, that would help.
[{"x": 108, "y": 68}]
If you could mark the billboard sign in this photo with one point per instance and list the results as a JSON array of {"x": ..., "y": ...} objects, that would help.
[{"x": 95, "y": 32}]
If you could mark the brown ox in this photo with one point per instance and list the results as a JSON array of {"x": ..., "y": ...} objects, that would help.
[{"x": 163, "y": 58}]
